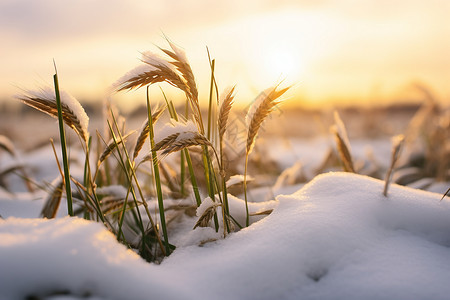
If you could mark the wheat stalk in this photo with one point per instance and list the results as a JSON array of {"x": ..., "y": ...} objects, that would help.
[
  {"x": 178, "y": 73},
  {"x": 113, "y": 145},
  {"x": 183, "y": 66},
  {"x": 342, "y": 142},
  {"x": 344, "y": 152},
  {"x": 45, "y": 101},
  {"x": 224, "y": 111},
  {"x": 206, "y": 216},
  {"x": 145, "y": 131},
  {"x": 149, "y": 74},
  {"x": 257, "y": 114},
  {"x": 7, "y": 145},
  {"x": 397, "y": 143},
  {"x": 52, "y": 203},
  {"x": 113, "y": 198},
  {"x": 181, "y": 140}
]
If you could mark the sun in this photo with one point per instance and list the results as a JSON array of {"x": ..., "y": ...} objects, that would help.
[{"x": 281, "y": 62}]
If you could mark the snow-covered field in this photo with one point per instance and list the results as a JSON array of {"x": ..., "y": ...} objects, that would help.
[{"x": 335, "y": 237}]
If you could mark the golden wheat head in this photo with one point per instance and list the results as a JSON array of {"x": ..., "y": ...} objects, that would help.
[
  {"x": 73, "y": 115},
  {"x": 145, "y": 131},
  {"x": 258, "y": 114},
  {"x": 224, "y": 112}
]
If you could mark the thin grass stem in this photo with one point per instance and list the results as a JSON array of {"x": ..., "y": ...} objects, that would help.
[
  {"x": 174, "y": 115},
  {"x": 157, "y": 177},
  {"x": 62, "y": 136}
]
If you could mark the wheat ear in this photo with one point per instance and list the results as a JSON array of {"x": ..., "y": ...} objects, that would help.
[
  {"x": 145, "y": 131},
  {"x": 207, "y": 216},
  {"x": 224, "y": 112},
  {"x": 52, "y": 202},
  {"x": 48, "y": 106},
  {"x": 181, "y": 63},
  {"x": 344, "y": 152},
  {"x": 113, "y": 145},
  {"x": 256, "y": 115},
  {"x": 265, "y": 107},
  {"x": 397, "y": 143},
  {"x": 343, "y": 143},
  {"x": 179, "y": 141}
]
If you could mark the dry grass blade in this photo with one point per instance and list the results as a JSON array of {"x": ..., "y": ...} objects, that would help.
[
  {"x": 7, "y": 145},
  {"x": 207, "y": 216},
  {"x": 224, "y": 112},
  {"x": 397, "y": 143},
  {"x": 111, "y": 146},
  {"x": 344, "y": 152},
  {"x": 48, "y": 106},
  {"x": 447, "y": 193},
  {"x": 146, "y": 130},
  {"x": 265, "y": 107},
  {"x": 52, "y": 202},
  {"x": 10, "y": 170}
]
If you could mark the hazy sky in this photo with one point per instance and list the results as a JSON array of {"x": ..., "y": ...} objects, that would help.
[{"x": 342, "y": 50}]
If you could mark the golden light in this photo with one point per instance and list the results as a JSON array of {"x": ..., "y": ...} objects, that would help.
[{"x": 282, "y": 62}]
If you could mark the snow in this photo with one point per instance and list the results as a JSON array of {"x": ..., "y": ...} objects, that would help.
[
  {"x": 237, "y": 179},
  {"x": 335, "y": 238}
]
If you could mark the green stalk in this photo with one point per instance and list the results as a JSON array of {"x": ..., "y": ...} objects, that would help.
[
  {"x": 209, "y": 169},
  {"x": 63, "y": 146},
  {"x": 193, "y": 179},
  {"x": 122, "y": 215},
  {"x": 182, "y": 173},
  {"x": 247, "y": 218},
  {"x": 224, "y": 183},
  {"x": 124, "y": 167},
  {"x": 173, "y": 115},
  {"x": 211, "y": 87},
  {"x": 86, "y": 176},
  {"x": 133, "y": 193},
  {"x": 157, "y": 177}
]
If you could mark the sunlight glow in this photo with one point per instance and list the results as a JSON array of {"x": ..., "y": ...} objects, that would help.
[{"x": 282, "y": 62}]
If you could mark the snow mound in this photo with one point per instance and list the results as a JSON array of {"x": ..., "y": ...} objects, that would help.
[
  {"x": 39, "y": 258},
  {"x": 336, "y": 238}
]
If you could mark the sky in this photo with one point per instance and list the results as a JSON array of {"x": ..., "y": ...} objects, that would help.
[{"x": 347, "y": 51}]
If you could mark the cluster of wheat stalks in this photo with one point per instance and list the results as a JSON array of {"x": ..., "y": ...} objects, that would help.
[
  {"x": 119, "y": 199},
  {"x": 111, "y": 190},
  {"x": 425, "y": 144}
]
